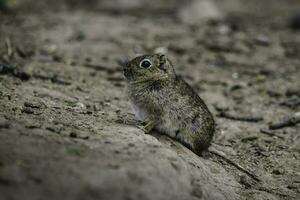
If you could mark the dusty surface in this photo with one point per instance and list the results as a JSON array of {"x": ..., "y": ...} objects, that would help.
[{"x": 67, "y": 130}]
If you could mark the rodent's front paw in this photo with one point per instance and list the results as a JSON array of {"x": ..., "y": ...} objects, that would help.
[{"x": 147, "y": 127}]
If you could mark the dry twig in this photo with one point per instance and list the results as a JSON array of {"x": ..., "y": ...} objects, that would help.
[
  {"x": 288, "y": 121},
  {"x": 239, "y": 117}
]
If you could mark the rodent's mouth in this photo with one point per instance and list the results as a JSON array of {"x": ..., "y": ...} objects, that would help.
[{"x": 161, "y": 66}]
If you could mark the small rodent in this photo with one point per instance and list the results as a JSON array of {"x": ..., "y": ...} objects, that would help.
[{"x": 164, "y": 101}]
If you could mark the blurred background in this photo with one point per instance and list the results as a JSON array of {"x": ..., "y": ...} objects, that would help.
[
  {"x": 189, "y": 11},
  {"x": 67, "y": 130}
]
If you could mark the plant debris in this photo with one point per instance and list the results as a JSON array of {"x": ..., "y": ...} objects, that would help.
[
  {"x": 246, "y": 118},
  {"x": 286, "y": 122}
]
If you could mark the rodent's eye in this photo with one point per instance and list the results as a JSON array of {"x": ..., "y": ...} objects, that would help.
[{"x": 146, "y": 63}]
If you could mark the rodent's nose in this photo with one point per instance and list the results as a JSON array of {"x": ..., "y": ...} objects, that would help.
[{"x": 161, "y": 57}]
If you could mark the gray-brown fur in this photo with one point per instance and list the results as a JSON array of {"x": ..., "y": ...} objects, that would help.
[{"x": 159, "y": 96}]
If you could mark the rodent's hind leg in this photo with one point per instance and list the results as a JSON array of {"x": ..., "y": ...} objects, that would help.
[{"x": 184, "y": 138}]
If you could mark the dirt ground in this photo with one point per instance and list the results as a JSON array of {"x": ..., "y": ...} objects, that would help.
[{"x": 67, "y": 130}]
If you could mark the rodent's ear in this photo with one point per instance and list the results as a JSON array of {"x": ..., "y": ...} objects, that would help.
[
  {"x": 136, "y": 52},
  {"x": 135, "y": 55},
  {"x": 123, "y": 61},
  {"x": 161, "y": 50}
]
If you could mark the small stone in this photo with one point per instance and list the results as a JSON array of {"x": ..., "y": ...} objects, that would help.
[
  {"x": 293, "y": 91},
  {"x": 262, "y": 148},
  {"x": 15, "y": 71},
  {"x": 191, "y": 60},
  {"x": 118, "y": 84},
  {"x": 96, "y": 107},
  {"x": 57, "y": 58},
  {"x": 79, "y": 134},
  {"x": 197, "y": 192},
  {"x": 28, "y": 110},
  {"x": 71, "y": 62},
  {"x": 119, "y": 121},
  {"x": 249, "y": 138},
  {"x": 89, "y": 112},
  {"x": 33, "y": 126},
  {"x": 117, "y": 151},
  {"x": 77, "y": 35},
  {"x": 51, "y": 48},
  {"x": 5, "y": 69},
  {"x": 131, "y": 145},
  {"x": 294, "y": 186},
  {"x": 278, "y": 171},
  {"x": 73, "y": 135},
  {"x": 295, "y": 22},
  {"x": 80, "y": 105},
  {"x": 291, "y": 102},
  {"x": 221, "y": 107},
  {"x": 84, "y": 137},
  {"x": 88, "y": 59},
  {"x": 235, "y": 75},
  {"x": 4, "y": 124},
  {"x": 224, "y": 29},
  {"x": 34, "y": 104},
  {"x": 55, "y": 129},
  {"x": 262, "y": 40},
  {"x": 114, "y": 166},
  {"x": 245, "y": 181}
]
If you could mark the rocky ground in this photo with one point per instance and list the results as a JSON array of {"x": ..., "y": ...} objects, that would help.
[{"x": 66, "y": 127}]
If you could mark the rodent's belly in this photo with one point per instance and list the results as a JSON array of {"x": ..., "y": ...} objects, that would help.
[
  {"x": 167, "y": 126},
  {"x": 166, "y": 122},
  {"x": 140, "y": 112},
  {"x": 170, "y": 122}
]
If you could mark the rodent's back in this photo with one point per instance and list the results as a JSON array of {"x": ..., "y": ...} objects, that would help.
[{"x": 200, "y": 121}]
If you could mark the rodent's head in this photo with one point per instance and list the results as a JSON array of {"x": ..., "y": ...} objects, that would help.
[{"x": 148, "y": 67}]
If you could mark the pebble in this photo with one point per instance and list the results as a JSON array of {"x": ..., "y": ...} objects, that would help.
[
  {"x": 262, "y": 148},
  {"x": 96, "y": 107},
  {"x": 15, "y": 71},
  {"x": 291, "y": 102},
  {"x": 73, "y": 135},
  {"x": 245, "y": 181},
  {"x": 77, "y": 35},
  {"x": 262, "y": 40},
  {"x": 223, "y": 29},
  {"x": 295, "y": 21},
  {"x": 80, "y": 105},
  {"x": 55, "y": 129},
  {"x": 4, "y": 124},
  {"x": 28, "y": 110},
  {"x": 293, "y": 91},
  {"x": 34, "y": 104},
  {"x": 249, "y": 138},
  {"x": 278, "y": 171},
  {"x": 79, "y": 134},
  {"x": 33, "y": 125},
  {"x": 5, "y": 69}
]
